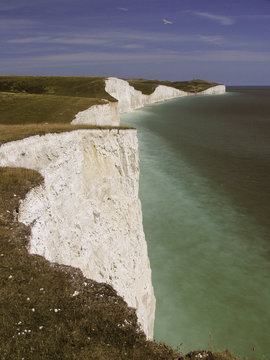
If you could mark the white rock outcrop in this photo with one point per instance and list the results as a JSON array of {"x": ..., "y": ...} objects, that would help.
[
  {"x": 101, "y": 115},
  {"x": 214, "y": 90},
  {"x": 130, "y": 99},
  {"x": 88, "y": 214}
]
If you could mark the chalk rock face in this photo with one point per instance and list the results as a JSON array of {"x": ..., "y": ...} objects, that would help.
[
  {"x": 162, "y": 93},
  {"x": 214, "y": 90},
  {"x": 100, "y": 115},
  {"x": 87, "y": 214},
  {"x": 130, "y": 99}
]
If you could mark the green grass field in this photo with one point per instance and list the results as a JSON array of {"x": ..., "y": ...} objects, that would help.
[
  {"x": 24, "y": 108},
  {"x": 41, "y": 99},
  {"x": 87, "y": 87}
]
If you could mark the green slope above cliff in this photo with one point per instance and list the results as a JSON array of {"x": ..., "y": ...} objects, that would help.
[
  {"x": 86, "y": 87},
  {"x": 147, "y": 87}
]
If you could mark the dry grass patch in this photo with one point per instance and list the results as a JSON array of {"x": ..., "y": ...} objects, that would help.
[{"x": 18, "y": 132}]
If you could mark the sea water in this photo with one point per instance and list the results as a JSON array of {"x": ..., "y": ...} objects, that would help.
[{"x": 205, "y": 193}]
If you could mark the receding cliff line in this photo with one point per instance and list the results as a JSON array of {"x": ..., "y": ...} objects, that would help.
[
  {"x": 87, "y": 214},
  {"x": 130, "y": 99}
]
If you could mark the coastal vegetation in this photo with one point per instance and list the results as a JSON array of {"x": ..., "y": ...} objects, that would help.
[
  {"x": 37, "y": 105},
  {"x": 51, "y": 311},
  {"x": 149, "y": 86},
  {"x": 52, "y": 99},
  {"x": 74, "y": 86},
  {"x": 25, "y": 108}
]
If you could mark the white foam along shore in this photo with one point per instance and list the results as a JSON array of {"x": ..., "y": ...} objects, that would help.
[{"x": 87, "y": 214}]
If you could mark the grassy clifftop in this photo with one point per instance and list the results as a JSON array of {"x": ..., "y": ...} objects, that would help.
[
  {"x": 48, "y": 99},
  {"x": 36, "y": 105},
  {"x": 86, "y": 87},
  {"x": 18, "y": 132},
  {"x": 148, "y": 86},
  {"x": 25, "y": 108}
]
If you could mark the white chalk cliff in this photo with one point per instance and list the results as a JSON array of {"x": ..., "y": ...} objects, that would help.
[
  {"x": 87, "y": 214},
  {"x": 214, "y": 90},
  {"x": 100, "y": 115},
  {"x": 130, "y": 99}
]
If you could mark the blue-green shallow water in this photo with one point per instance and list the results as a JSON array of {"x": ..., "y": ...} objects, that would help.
[{"x": 204, "y": 187}]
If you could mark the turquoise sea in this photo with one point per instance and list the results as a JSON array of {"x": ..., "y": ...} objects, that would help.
[{"x": 205, "y": 193}]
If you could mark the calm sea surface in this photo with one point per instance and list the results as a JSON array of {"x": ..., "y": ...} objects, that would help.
[{"x": 205, "y": 192}]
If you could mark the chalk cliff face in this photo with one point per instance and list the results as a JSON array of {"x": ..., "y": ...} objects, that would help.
[
  {"x": 100, "y": 115},
  {"x": 87, "y": 214},
  {"x": 130, "y": 99},
  {"x": 214, "y": 90}
]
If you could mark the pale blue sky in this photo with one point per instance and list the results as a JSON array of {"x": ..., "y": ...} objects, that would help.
[{"x": 223, "y": 41}]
